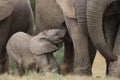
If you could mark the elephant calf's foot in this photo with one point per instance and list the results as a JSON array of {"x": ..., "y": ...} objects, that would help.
[{"x": 55, "y": 70}]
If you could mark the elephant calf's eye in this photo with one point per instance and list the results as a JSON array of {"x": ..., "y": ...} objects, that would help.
[{"x": 56, "y": 34}]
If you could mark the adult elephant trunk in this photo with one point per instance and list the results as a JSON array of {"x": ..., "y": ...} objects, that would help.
[{"x": 95, "y": 10}]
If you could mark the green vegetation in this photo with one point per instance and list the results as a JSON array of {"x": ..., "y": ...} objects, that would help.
[{"x": 33, "y": 5}]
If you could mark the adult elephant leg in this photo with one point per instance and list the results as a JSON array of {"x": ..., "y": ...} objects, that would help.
[
  {"x": 80, "y": 43},
  {"x": 4, "y": 61},
  {"x": 110, "y": 30},
  {"x": 68, "y": 61},
  {"x": 4, "y": 35},
  {"x": 114, "y": 67},
  {"x": 92, "y": 51},
  {"x": 80, "y": 38}
]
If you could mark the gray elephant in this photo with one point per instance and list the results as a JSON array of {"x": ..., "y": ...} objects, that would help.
[
  {"x": 107, "y": 18},
  {"x": 81, "y": 30},
  {"x": 15, "y": 15},
  {"x": 49, "y": 16},
  {"x": 102, "y": 19},
  {"x": 27, "y": 52},
  {"x": 114, "y": 67}
]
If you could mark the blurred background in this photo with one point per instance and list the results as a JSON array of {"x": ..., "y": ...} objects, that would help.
[{"x": 33, "y": 5}]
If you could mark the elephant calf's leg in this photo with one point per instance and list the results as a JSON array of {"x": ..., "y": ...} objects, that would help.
[
  {"x": 52, "y": 62},
  {"x": 43, "y": 63},
  {"x": 18, "y": 70}
]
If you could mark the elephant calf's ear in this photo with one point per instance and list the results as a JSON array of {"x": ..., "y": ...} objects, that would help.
[
  {"x": 41, "y": 46},
  {"x": 6, "y": 8}
]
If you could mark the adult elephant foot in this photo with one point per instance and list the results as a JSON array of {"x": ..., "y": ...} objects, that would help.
[
  {"x": 4, "y": 65},
  {"x": 114, "y": 67},
  {"x": 67, "y": 66}
]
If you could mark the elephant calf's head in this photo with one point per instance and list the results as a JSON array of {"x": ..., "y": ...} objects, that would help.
[
  {"x": 55, "y": 35},
  {"x": 46, "y": 41}
]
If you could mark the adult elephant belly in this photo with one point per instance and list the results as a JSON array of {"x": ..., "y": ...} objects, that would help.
[
  {"x": 22, "y": 18},
  {"x": 48, "y": 15}
]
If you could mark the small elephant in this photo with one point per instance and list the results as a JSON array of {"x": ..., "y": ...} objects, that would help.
[{"x": 27, "y": 52}]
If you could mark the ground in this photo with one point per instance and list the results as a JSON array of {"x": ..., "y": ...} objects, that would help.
[{"x": 98, "y": 73}]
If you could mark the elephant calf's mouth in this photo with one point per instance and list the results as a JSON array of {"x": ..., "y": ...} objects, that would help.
[{"x": 50, "y": 41}]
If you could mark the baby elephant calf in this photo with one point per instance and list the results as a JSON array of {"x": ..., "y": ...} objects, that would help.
[{"x": 27, "y": 52}]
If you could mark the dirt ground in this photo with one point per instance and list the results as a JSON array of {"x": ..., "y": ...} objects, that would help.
[{"x": 99, "y": 66}]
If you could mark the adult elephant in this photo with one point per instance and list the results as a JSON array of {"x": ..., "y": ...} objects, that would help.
[
  {"x": 83, "y": 34},
  {"x": 49, "y": 16},
  {"x": 103, "y": 21},
  {"x": 15, "y": 15}
]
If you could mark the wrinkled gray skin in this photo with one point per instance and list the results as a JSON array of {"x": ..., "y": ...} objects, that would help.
[
  {"x": 15, "y": 15},
  {"x": 83, "y": 47},
  {"x": 103, "y": 20},
  {"x": 49, "y": 16},
  {"x": 114, "y": 67},
  {"x": 84, "y": 35},
  {"x": 29, "y": 53},
  {"x": 106, "y": 22}
]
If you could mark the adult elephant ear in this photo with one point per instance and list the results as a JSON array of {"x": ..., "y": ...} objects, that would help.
[
  {"x": 41, "y": 46},
  {"x": 6, "y": 8},
  {"x": 67, "y": 7}
]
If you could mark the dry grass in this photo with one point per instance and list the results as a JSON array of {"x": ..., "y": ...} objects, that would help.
[
  {"x": 52, "y": 76},
  {"x": 98, "y": 74}
]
